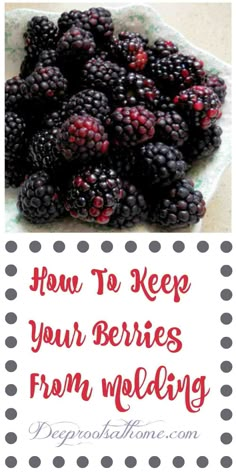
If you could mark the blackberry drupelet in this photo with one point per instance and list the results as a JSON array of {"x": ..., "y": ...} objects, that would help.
[
  {"x": 93, "y": 194},
  {"x": 131, "y": 209},
  {"x": 47, "y": 85},
  {"x": 200, "y": 104},
  {"x": 179, "y": 206},
  {"x": 16, "y": 92},
  {"x": 67, "y": 20},
  {"x": 218, "y": 85},
  {"x": 42, "y": 151},
  {"x": 177, "y": 72},
  {"x": 89, "y": 102},
  {"x": 171, "y": 128},
  {"x": 99, "y": 22},
  {"x": 41, "y": 34},
  {"x": 82, "y": 137},
  {"x": 39, "y": 200},
  {"x": 129, "y": 49},
  {"x": 102, "y": 75},
  {"x": 159, "y": 164},
  {"x": 135, "y": 89},
  {"x": 202, "y": 143},
  {"x": 47, "y": 57},
  {"x": 130, "y": 126},
  {"x": 15, "y": 132},
  {"x": 76, "y": 44}
]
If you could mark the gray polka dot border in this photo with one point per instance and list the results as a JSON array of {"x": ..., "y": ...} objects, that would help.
[{"x": 225, "y": 367}]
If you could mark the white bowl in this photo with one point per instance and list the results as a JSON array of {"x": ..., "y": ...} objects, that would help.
[{"x": 143, "y": 19}]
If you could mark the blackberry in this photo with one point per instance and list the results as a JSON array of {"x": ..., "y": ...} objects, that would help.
[
  {"x": 218, "y": 85},
  {"x": 203, "y": 143},
  {"x": 136, "y": 89},
  {"x": 131, "y": 209},
  {"x": 39, "y": 200},
  {"x": 41, "y": 34},
  {"x": 200, "y": 104},
  {"x": 15, "y": 170},
  {"x": 47, "y": 57},
  {"x": 76, "y": 44},
  {"x": 123, "y": 161},
  {"x": 171, "y": 128},
  {"x": 89, "y": 102},
  {"x": 102, "y": 75},
  {"x": 159, "y": 164},
  {"x": 163, "y": 48},
  {"x": 15, "y": 93},
  {"x": 130, "y": 50},
  {"x": 15, "y": 132},
  {"x": 180, "y": 206},
  {"x": 93, "y": 194},
  {"x": 99, "y": 22},
  {"x": 130, "y": 126},
  {"x": 177, "y": 72},
  {"x": 46, "y": 84},
  {"x": 67, "y": 20},
  {"x": 82, "y": 137},
  {"x": 27, "y": 66},
  {"x": 42, "y": 152},
  {"x": 55, "y": 119}
]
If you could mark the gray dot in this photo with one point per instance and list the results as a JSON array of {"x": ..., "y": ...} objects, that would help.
[
  {"x": 178, "y": 246},
  {"x": 11, "y": 342},
  {"x": 226, "y": 367},
  {"x": 83, "y": 246},
  {"x": 226, "y": 462},
  {"x": 226, "y": 294},
  {"x": 226, "y": 414},
  {"x": 35, "y": 246},
  {"x": 82, "y": 462},
  {"x": 226, "y": 246},
  {"x": 226, "y": 270},
  {"x": 202, "y": 462},
  {"x": 154, "y": 246},
  {"x": 178, "y": 462},
  {"x": 10, "y": 462},
  {"x": 11, "y": 270},
  {"x": 59, "y": 246},
  {"x": 226, "y": 390},
  {"x": 11, "y": 414},
  {"x": 11, "y": 390},
  {"x": 11, "y": 294},
  {"x": 58, "y": 462},
  {"x": 106, "y": 462},
  {"x": 11, "y": 318},
  {"x": 226, "y": 342},
  {"x": 130, "y": 462},
  {"x": 226, "y": 318},
  {"x": 11, "y": 438},
  {"x": 11, "y": 246},
  {"x": 34, "y": 462},
  {"x": 203, "y": 246},
  {"x": 11, "y": 366},
  {"x": 130, "y": 246},
  {"x": 154, "y": 462},
  {"x": 106, "y": 246},
  {"x": 226, "y": 438}
]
